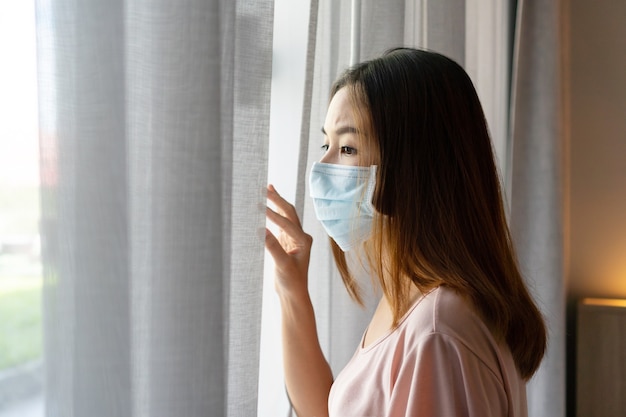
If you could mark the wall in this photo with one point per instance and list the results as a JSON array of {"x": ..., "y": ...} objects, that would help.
[
  {"x": 596, "y": 94},
  {"x": 597, "y": 148}
]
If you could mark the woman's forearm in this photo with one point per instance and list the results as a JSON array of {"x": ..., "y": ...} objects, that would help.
[{"x": 307, "y": 374}]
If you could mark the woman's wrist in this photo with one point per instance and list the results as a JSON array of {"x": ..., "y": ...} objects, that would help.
[
  {"x": 295, "y": 303},
  {"x": 293, "y": 294}
]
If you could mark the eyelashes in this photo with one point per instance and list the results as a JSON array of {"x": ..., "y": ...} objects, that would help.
[{"x": 345, "y": 150}]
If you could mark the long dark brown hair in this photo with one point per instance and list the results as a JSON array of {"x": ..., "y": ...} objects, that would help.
[{"x": 441, "y": 219}]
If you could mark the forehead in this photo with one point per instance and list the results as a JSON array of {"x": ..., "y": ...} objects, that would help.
[
  {"x": 349, "y": 118},
  {"x": 340, "y": 111}
]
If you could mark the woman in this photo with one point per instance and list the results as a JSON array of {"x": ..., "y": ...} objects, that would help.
[{"x": 408, "y": 179}]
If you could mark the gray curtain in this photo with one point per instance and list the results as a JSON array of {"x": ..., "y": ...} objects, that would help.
[
  {"x": 537, "y": 185},
  {"x": 154, "y": 121}
]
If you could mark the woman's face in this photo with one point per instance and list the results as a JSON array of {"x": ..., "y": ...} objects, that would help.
[{"x": 343, "y": 143}]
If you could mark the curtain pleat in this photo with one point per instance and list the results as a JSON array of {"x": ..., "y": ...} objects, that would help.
[
  {"x": 537, "y": 192},
  {"x": 381, "y": 27},
  {"x": 445, "y": 28},
  {"x": 307, "y": 132},
  {"x": 84, "y": 208},
  {"x": 252, "y": 79},
  {"x": 154, "y": 123},
  {"x": 178, "y": 317}
]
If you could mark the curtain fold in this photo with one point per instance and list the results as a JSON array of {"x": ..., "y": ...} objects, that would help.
[
  {"x": 305, "y": 129},
  {"x": 154, "y": 123},
  {"x": 537, "y": 187},
  {"x": 247, "y": 180}
]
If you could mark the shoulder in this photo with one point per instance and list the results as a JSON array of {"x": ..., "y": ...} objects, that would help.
[
  {"x": 446, "y": 316},
  {"x": 451, "y": 364},
  {"x": 443, "y": 310}
]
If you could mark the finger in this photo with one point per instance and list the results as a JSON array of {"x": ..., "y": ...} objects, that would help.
[
  {"x": 285, "y": 224},
  {"x": 274, "y": 247},
  {"x": 277, "y": 199},
  {"x": 283, "y": 205}
]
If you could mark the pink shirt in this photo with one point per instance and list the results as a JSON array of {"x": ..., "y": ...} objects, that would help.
[{"x": 440, "y": 361}]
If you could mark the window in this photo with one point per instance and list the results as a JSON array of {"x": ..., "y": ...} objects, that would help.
[{"x": 21, "y": 373}]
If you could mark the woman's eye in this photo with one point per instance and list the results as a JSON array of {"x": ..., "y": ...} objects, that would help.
[
  {"x": 348, "y": 150},
  {"x": 325, "y": 147}
]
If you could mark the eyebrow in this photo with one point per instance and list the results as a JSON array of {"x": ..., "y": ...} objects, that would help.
[{"x": 342, "y": 130}]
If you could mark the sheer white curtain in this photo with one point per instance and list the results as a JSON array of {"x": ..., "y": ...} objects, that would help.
[
  {"x": 512, "y": 52},
  {"x": 154, "y": 124}
]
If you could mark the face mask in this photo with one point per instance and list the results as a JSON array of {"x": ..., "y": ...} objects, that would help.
[{"x": 342, "y": 198}]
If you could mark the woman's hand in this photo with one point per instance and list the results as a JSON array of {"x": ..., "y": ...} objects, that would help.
[
  {"x": 308, "y": 376},
  {"x": 291, "y": 250}
]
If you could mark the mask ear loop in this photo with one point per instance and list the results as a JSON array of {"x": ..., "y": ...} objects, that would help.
[
  {"x": 361, "y": 254},
  {"x": 366, "y": 180}
]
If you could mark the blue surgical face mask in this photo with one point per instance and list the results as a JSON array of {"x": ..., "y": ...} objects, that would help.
[{"x": 342, "y": 198}]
